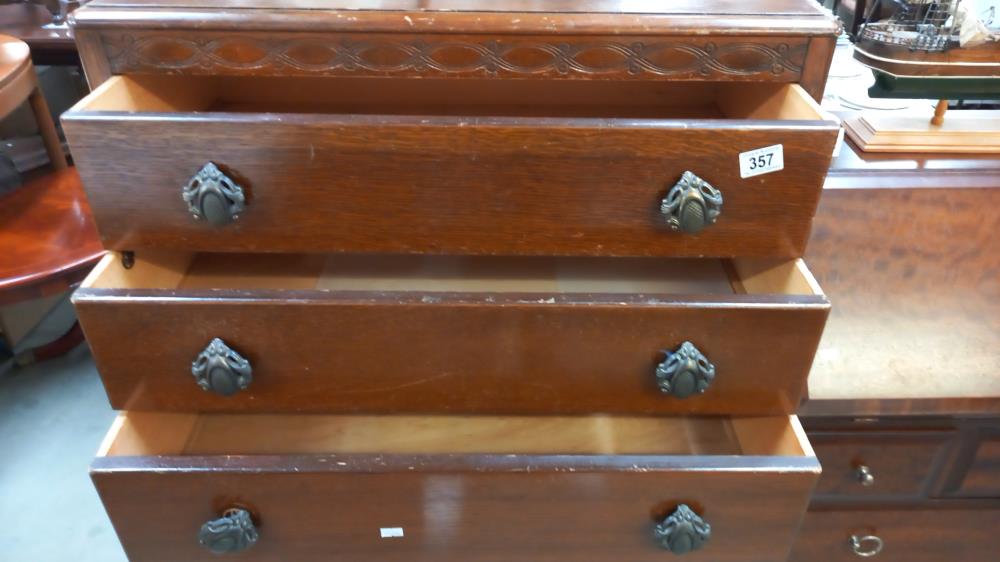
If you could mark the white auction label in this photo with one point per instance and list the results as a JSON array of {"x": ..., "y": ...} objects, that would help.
[
  {"x": 391, "y": 532},
  {"x": 762, "y": 161}
]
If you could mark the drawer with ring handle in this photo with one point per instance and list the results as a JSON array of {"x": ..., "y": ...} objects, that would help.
[{"x": 940, "y": 534}]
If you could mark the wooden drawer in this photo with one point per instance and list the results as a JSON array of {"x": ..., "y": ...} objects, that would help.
[
  {"x": 472, "y": 489},
  {"x": 870, "y": 464},
  {"x": 977, "y": 471},
  {"x": 444, "y": 166},
  {"x": 428, "y": 334},
  {"x": 907, "y": 536}
]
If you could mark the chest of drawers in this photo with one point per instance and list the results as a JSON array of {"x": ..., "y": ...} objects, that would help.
[{"x": 453, "y": 280}]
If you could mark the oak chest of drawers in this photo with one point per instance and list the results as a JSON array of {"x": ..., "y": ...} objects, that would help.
[{"x": 454, "y": 280}]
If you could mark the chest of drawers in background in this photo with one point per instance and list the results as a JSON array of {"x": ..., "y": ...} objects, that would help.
[
  {"x": 904, "y": 395},
  {"x": 453, "y": 280}
]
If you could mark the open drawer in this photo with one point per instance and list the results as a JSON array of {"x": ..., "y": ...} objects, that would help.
[
  {"x": 469, "y": 489},
  {"x": 434, "y": 334},
  {"x": 480, "y": 166}
]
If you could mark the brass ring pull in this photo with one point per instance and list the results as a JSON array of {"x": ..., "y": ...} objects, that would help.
[{"x": 866, "y": 546}]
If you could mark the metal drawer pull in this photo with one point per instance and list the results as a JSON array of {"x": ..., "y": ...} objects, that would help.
[
  {"x": 682, "y": 531},
  {"x": 865, "y": 476},
  {"x": 219, "y": 369},
  {"x": 233, "y": 532},
  {"x": 691, "y": 204},
  {"x": 866, "y": 546},
  {"x": 212, "y": 195},
  {"x": 685, "y": 372}
]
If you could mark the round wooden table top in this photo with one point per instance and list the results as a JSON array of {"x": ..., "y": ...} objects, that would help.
[
  {"x": 15, "y": 56},
  {"x": 48, "y": 240}
]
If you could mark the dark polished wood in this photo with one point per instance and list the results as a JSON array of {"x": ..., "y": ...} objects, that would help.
[
  {"x": 977, "y": 466},
  {"x": 48, "y": 236},
  {"x": 907, "y": 249},
  {"x": 905, "y": 379},
  {"x": 935, "y": 535}
]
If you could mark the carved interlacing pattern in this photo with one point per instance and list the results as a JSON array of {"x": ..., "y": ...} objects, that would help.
[{"x": 326, "y": 55}]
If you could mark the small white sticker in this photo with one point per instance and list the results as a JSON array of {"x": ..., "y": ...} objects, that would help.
[
  {"x": 391, "y": 532},
  {"x": 762, "y": 161}
]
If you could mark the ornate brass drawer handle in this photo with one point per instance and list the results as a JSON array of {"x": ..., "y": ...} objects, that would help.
[
  {"x": 233, "y": 532},
  {"x": 685, "y": 372},
  {"x": 866, "y": 546},
  {"x": 691, "y": 204},
  {"x": 213, "y": 196},
  {"x": 683, "y": 531},
  {"x": 219, "y": 369}
]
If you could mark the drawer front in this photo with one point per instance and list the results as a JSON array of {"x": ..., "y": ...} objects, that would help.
[
  {"x": 905, "y": 536},
  {"x": 391, "y": 352},
  {"x": 864, "y": 465},
  {"x": 977, "y": 472},
  {"x": 460, "y": 185},
  {"x": 455, "y": 507}
]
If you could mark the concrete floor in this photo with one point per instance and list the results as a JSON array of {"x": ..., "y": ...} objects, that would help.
[{"x": 53, "y": 416}]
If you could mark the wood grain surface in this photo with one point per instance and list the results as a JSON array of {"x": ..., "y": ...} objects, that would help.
[
  {"x": 764, "y": 40},
  {"x": 467, "y": 185},
  {"x": 461, "y": 507},
  {"x": 48, "y": 237},
  {"x": 389, "y": 350},
  {"x": 919, "y": 535},
  {"x": 914, "y": 275}
]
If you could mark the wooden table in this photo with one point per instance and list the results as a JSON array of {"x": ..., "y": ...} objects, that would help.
[
  {"x": 48, "y": 238},
  {"x": 906, "y": 248}
]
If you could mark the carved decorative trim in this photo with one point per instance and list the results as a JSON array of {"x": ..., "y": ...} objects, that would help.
[{"x": 319, "y": 54}]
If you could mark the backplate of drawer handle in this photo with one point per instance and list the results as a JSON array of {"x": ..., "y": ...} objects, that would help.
[
  {"x": 220, "y": 369},
  {"x": 233, "y": 532},
  {"x": 682, "y": 531},
  {"x": 213, "y": 196},
  {"x": 691, "y": 204},
  {"x": 685, "y": 372}
]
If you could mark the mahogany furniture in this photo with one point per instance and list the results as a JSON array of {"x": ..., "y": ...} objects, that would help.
[
  {"x": 454, "y": 280},
  {"x": 904, "y": 408},
  {"x": 18, "y": 82},
  {"x": 48, "y": 235},
  {"x": 50, "y": 243}
]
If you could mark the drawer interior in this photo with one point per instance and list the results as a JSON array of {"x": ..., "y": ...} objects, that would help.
[
  {"x": 460, "y": 274},
  {"x": 152, "y": 433},
  {"x": 443, "y": 97}
]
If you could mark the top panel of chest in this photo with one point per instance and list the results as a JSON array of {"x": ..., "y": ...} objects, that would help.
[{"x": 785, "y": 41}]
